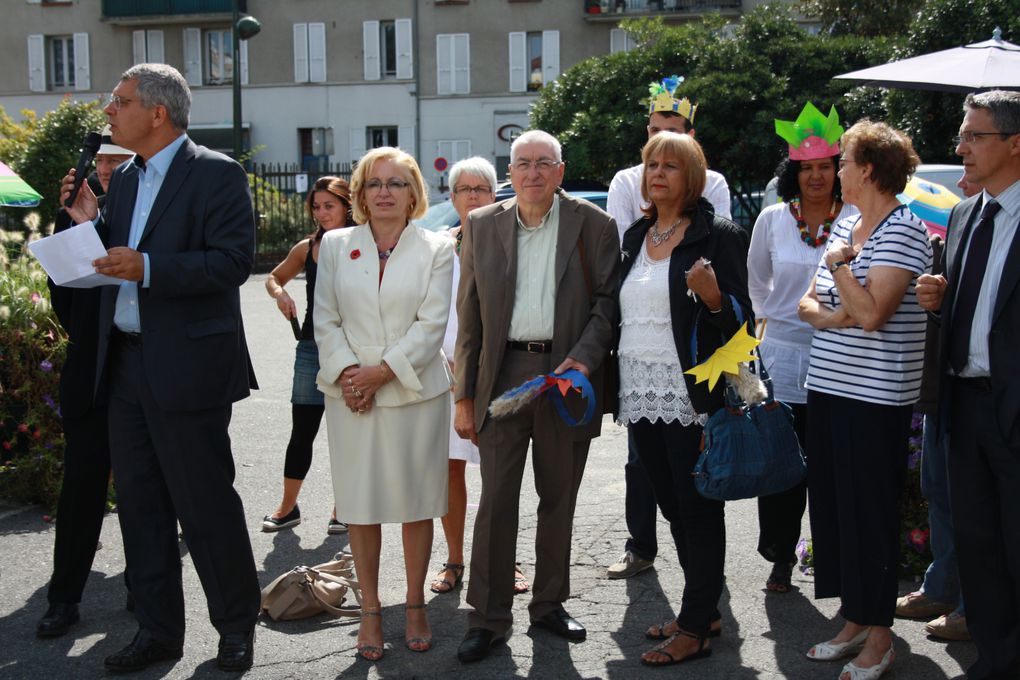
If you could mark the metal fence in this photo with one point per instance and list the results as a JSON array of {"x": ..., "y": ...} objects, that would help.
[{"x": 279, "y": 192}]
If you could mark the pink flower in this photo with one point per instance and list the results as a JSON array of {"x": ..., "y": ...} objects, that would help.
[
  {"x": 918, "y": 537},
  {"x": 23, "y": 427},
  {"x": 355, "y": 254},
  {"x": 35, "y": 298}
]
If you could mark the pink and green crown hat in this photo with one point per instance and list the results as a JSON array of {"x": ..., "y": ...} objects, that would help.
[{"x": 813, "y": 135}]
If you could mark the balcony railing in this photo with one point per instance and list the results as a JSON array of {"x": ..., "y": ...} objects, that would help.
[
  {"x": 146, "y": 8},
  {"x": 644, "y": 7}
]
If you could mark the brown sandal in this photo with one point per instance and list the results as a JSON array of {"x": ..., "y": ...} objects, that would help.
[
  {"x": 418, "y": 644},
  {"x": 443, "y": 585},
  {"x": 660, "y": 649},
  {"x": 366, "y": 651},
  {"x": 780, "y": 578},
  {"x": 659, "y": 632},
  {"x": 521, "y": 584}
]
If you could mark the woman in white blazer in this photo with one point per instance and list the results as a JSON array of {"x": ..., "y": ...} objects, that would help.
[{"x": 381, "y": 305}]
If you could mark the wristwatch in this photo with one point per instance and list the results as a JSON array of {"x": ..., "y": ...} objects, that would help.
[{"x": 836, "y": 265}]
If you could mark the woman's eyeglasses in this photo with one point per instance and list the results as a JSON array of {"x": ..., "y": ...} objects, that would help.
[
  {"x": 393, "y": 185},
  {"x": 474, "y": 191}
]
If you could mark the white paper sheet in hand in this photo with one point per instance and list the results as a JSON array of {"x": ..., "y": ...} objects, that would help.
[{"x": 67, "y": 257}]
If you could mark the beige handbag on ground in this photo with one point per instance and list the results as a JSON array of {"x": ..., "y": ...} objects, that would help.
[{"x": 307, "y": 591}]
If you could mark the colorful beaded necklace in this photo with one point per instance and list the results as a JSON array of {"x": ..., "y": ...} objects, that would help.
[{"x": 805, "y": 233}]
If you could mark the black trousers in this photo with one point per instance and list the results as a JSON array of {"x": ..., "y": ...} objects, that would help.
[
  {"x": 984, "y": 489},
  {"x": 175, "y": 466},
  {"x": 780, "y": 514},
  {"x": 305, "y": 421},
  {"x": 82, "y": 503},
  {"x": 858, "y": 465},
  {"x": 639, "y": 503},
  {"x": 668, "y": 452}
]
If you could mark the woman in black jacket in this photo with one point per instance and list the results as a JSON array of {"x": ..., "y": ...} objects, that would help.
[{"x": 684, "y": 271}]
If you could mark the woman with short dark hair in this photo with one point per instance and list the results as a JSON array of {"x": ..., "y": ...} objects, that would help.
[{"x": 863, "y": 379}]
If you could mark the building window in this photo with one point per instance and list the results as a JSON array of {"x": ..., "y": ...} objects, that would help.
[
  {"x": 453, "y": 63},
  {"x": 620, "y": 41},
  {"x": 147, "y": 46},
  {"x": 310, "y": 53},
  {"x": 59, "y": 62},
  {"x": 388, "y": 49},
  {"x": 61, "y": 71},
  {"x": 381, "y": 136},
  {"x": 534, "y": 60},
  {"x": 219, "y": 57}
]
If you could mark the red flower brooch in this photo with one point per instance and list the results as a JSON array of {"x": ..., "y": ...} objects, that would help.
[{"x": 355, "y": 254}]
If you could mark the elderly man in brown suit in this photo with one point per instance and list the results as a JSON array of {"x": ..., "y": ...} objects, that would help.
[{"x": 538, "y": 275}]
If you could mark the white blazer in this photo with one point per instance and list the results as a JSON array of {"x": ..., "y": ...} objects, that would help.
[{"x": 400, "y": 321}]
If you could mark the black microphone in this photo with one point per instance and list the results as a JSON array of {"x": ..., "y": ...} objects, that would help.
[{"x": 89, "y": 150}]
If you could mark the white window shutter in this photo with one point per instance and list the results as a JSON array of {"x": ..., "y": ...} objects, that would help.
[
  {"x": 405, "y": 55},
  {"x": 317, "y": 52},
  {"x": 617, "y": 40},
  {"x": 138, "y": 47},
  {"x": 242, "y": 54},
  {"x": 154, "y": 47},
  {"x": 550, "y": 56},
  {"x": 193, "y": 56},
  {"x": 461, "y": 63},
  {"x": 82, "y": 74},
  {"x": 461, "y": 149},
  {"x": 300, "y": 53},
  {"x": 405, "y": 138},
  {"x": 370, "y": 38},
  {"x": 36, "y": 63},
  {"x": 357, "y": 143},
  {"x": 444, "y": 64},
  {"x": 444, "y": 149},
  {"x": 518, "y": 57}
]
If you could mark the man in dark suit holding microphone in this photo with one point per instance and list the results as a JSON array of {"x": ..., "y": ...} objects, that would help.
[
  {"x": 979, "y": 303},
  {"x": 180, "y": 228}
]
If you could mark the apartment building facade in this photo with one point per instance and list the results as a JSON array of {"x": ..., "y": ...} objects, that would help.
[{"x": 325, "y": 80}]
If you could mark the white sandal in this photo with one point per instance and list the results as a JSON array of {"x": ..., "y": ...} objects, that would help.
[
  {"x": 830, "y": 651},
  {"x": 871, "y": 672}
]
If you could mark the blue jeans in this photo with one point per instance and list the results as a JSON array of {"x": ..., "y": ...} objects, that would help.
[{"x": 942, "y": 580}]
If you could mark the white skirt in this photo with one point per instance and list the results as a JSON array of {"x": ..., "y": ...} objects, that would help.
[
  {"x": 389, "y": 463},
  {"x": 461, "y": 449}
]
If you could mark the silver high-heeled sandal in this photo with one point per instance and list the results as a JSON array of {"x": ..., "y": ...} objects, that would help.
[{"x": 830, "y": 651}]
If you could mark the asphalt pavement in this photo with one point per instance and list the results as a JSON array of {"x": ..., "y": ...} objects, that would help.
[{"x": 764, "y": 636}]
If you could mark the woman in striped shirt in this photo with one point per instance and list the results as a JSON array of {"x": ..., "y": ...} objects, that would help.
[{"x": 863, "y": 378}]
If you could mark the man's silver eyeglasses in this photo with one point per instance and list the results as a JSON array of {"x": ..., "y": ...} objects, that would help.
[
  {"x": 474, "y": 191},
  {"x": 393, "y": 185},
  {"x": 969, "y": 136},
  {"x": 117, "y": 101},
  {"x": 542, "y": 165}
]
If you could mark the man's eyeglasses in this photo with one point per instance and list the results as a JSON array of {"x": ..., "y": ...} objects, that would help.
[
  {"x": 474, "y": 191},
  {"x": 117, "y": 101},
  {"x": 542, "y": 165},
  {"x": 394, "y": 185},
  {"x": 969, "y": 136}
]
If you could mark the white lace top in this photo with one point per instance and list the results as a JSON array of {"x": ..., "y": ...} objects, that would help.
[{"x": 651, "y": 378}]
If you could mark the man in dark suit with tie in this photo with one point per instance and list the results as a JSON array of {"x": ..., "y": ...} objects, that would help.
[
  {"x": 979, "y": 303},
  {"x": 180, "y": 228}
]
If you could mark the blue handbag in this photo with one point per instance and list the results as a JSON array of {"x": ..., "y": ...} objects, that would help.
[{"x": 749, "y": 451}]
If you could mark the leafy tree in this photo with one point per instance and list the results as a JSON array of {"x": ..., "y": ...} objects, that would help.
[
  {"x": 14, "y": 136},
  {"x": 868, "y": 18},
  {"x": 53, "y": 147},
  {"x": 742, "y": 79}
]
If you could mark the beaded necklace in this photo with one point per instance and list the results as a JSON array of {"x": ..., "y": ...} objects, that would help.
[{"x": 805, "y": 234}]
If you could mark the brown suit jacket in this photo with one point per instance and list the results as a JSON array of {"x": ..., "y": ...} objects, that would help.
[{"x": 584, "y": 324}]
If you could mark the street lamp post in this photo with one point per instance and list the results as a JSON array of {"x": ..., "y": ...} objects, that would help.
[{"x": 242, "y": 28}]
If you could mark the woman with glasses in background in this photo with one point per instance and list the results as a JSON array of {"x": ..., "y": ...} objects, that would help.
[{"x": 381, "y": 304}]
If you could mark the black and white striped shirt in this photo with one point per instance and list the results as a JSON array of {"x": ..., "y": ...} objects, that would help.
[{"x": 883, "y": 366}]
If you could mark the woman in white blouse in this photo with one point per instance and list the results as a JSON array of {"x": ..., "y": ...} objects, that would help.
[
  {"x": 787, "y": 242},
  {"x": 683, "y": 268}
]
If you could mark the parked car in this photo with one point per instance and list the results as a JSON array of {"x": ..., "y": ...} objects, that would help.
[
  {"x": 942, "y": 173},
  {"x": 444, "y": 216}
]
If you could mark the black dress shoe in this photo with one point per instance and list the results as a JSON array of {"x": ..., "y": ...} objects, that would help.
[
  {"x": 143, "y": 651},
  {"x": 476, "y": 645},
  {"x": 57, "y": 620},
  {"x": 563, "y": 624},
  {"x": 237, "y": 650}
]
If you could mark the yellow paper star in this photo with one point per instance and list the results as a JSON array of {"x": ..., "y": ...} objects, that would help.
[{"x": 726, "y": 359}]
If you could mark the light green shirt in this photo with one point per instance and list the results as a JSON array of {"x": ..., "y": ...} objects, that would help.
[{"x": 535, "y": 293}]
